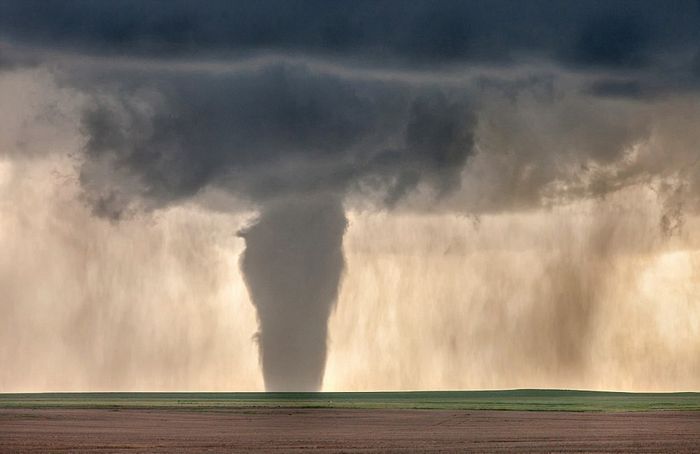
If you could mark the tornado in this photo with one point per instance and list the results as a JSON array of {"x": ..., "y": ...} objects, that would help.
[{"x": 293, "y": 265}]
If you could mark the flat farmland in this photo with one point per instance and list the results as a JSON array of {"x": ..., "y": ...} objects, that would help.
[
  {"x": 521, "y": 399},
  {"x": 482, "y": 421}
]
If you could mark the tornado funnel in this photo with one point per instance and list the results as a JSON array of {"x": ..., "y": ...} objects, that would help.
[{"x": 293, "y": 264}]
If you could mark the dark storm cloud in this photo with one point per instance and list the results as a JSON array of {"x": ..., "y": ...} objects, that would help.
[
  {"x": 696, "y": 65},
  {"x": 281, "y": 129},
  {"x": 613, "y": 39},
  {"x": 619, "y": 34},
  {"x": 617, "y": 88},
  {"x": 284, "y": 125}
]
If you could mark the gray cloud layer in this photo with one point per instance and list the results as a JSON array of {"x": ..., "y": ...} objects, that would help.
[
  {"x": 277, "y": 130},
  {"x": 368, "y": 96},
  {"x": 622, "y": 33}
]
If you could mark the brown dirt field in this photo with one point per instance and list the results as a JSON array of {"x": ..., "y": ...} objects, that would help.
[{"x": 331, "y": 430}]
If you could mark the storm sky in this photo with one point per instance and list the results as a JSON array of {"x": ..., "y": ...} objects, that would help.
[{"x": 349, "y": 195}]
